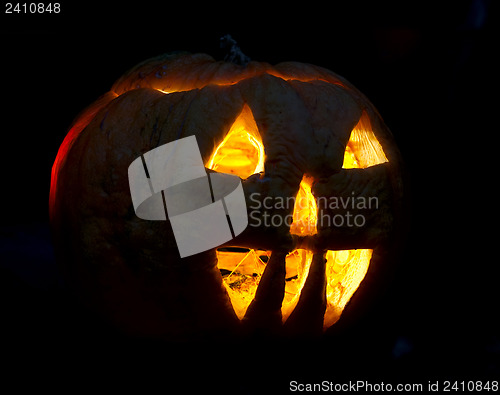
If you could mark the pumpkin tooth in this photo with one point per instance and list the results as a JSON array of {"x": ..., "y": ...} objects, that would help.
[
  {"x": 264, "y": 312},
  {"x": 307, "y": 317}
]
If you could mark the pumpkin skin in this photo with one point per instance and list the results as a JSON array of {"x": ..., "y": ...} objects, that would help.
[{"x": 129, "y": 270}]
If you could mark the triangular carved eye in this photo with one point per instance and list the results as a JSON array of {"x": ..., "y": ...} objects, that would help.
[
  {"x": 241, "y": 152},
  {"x": 363, "y": 149}
]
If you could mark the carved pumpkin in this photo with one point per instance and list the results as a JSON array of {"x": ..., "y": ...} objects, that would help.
[{"x": 311, "y": 151}]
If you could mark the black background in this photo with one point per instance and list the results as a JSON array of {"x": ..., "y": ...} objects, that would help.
[{"x": 429, "y": 71}]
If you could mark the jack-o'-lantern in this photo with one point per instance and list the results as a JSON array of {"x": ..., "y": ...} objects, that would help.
[{"x": 321, "y": 176}]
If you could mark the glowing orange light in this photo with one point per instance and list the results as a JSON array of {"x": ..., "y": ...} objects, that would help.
[{"x": 241, "y": 152}]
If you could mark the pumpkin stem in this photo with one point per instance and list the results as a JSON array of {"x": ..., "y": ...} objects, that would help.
[{"x": 234, "y": 53}]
